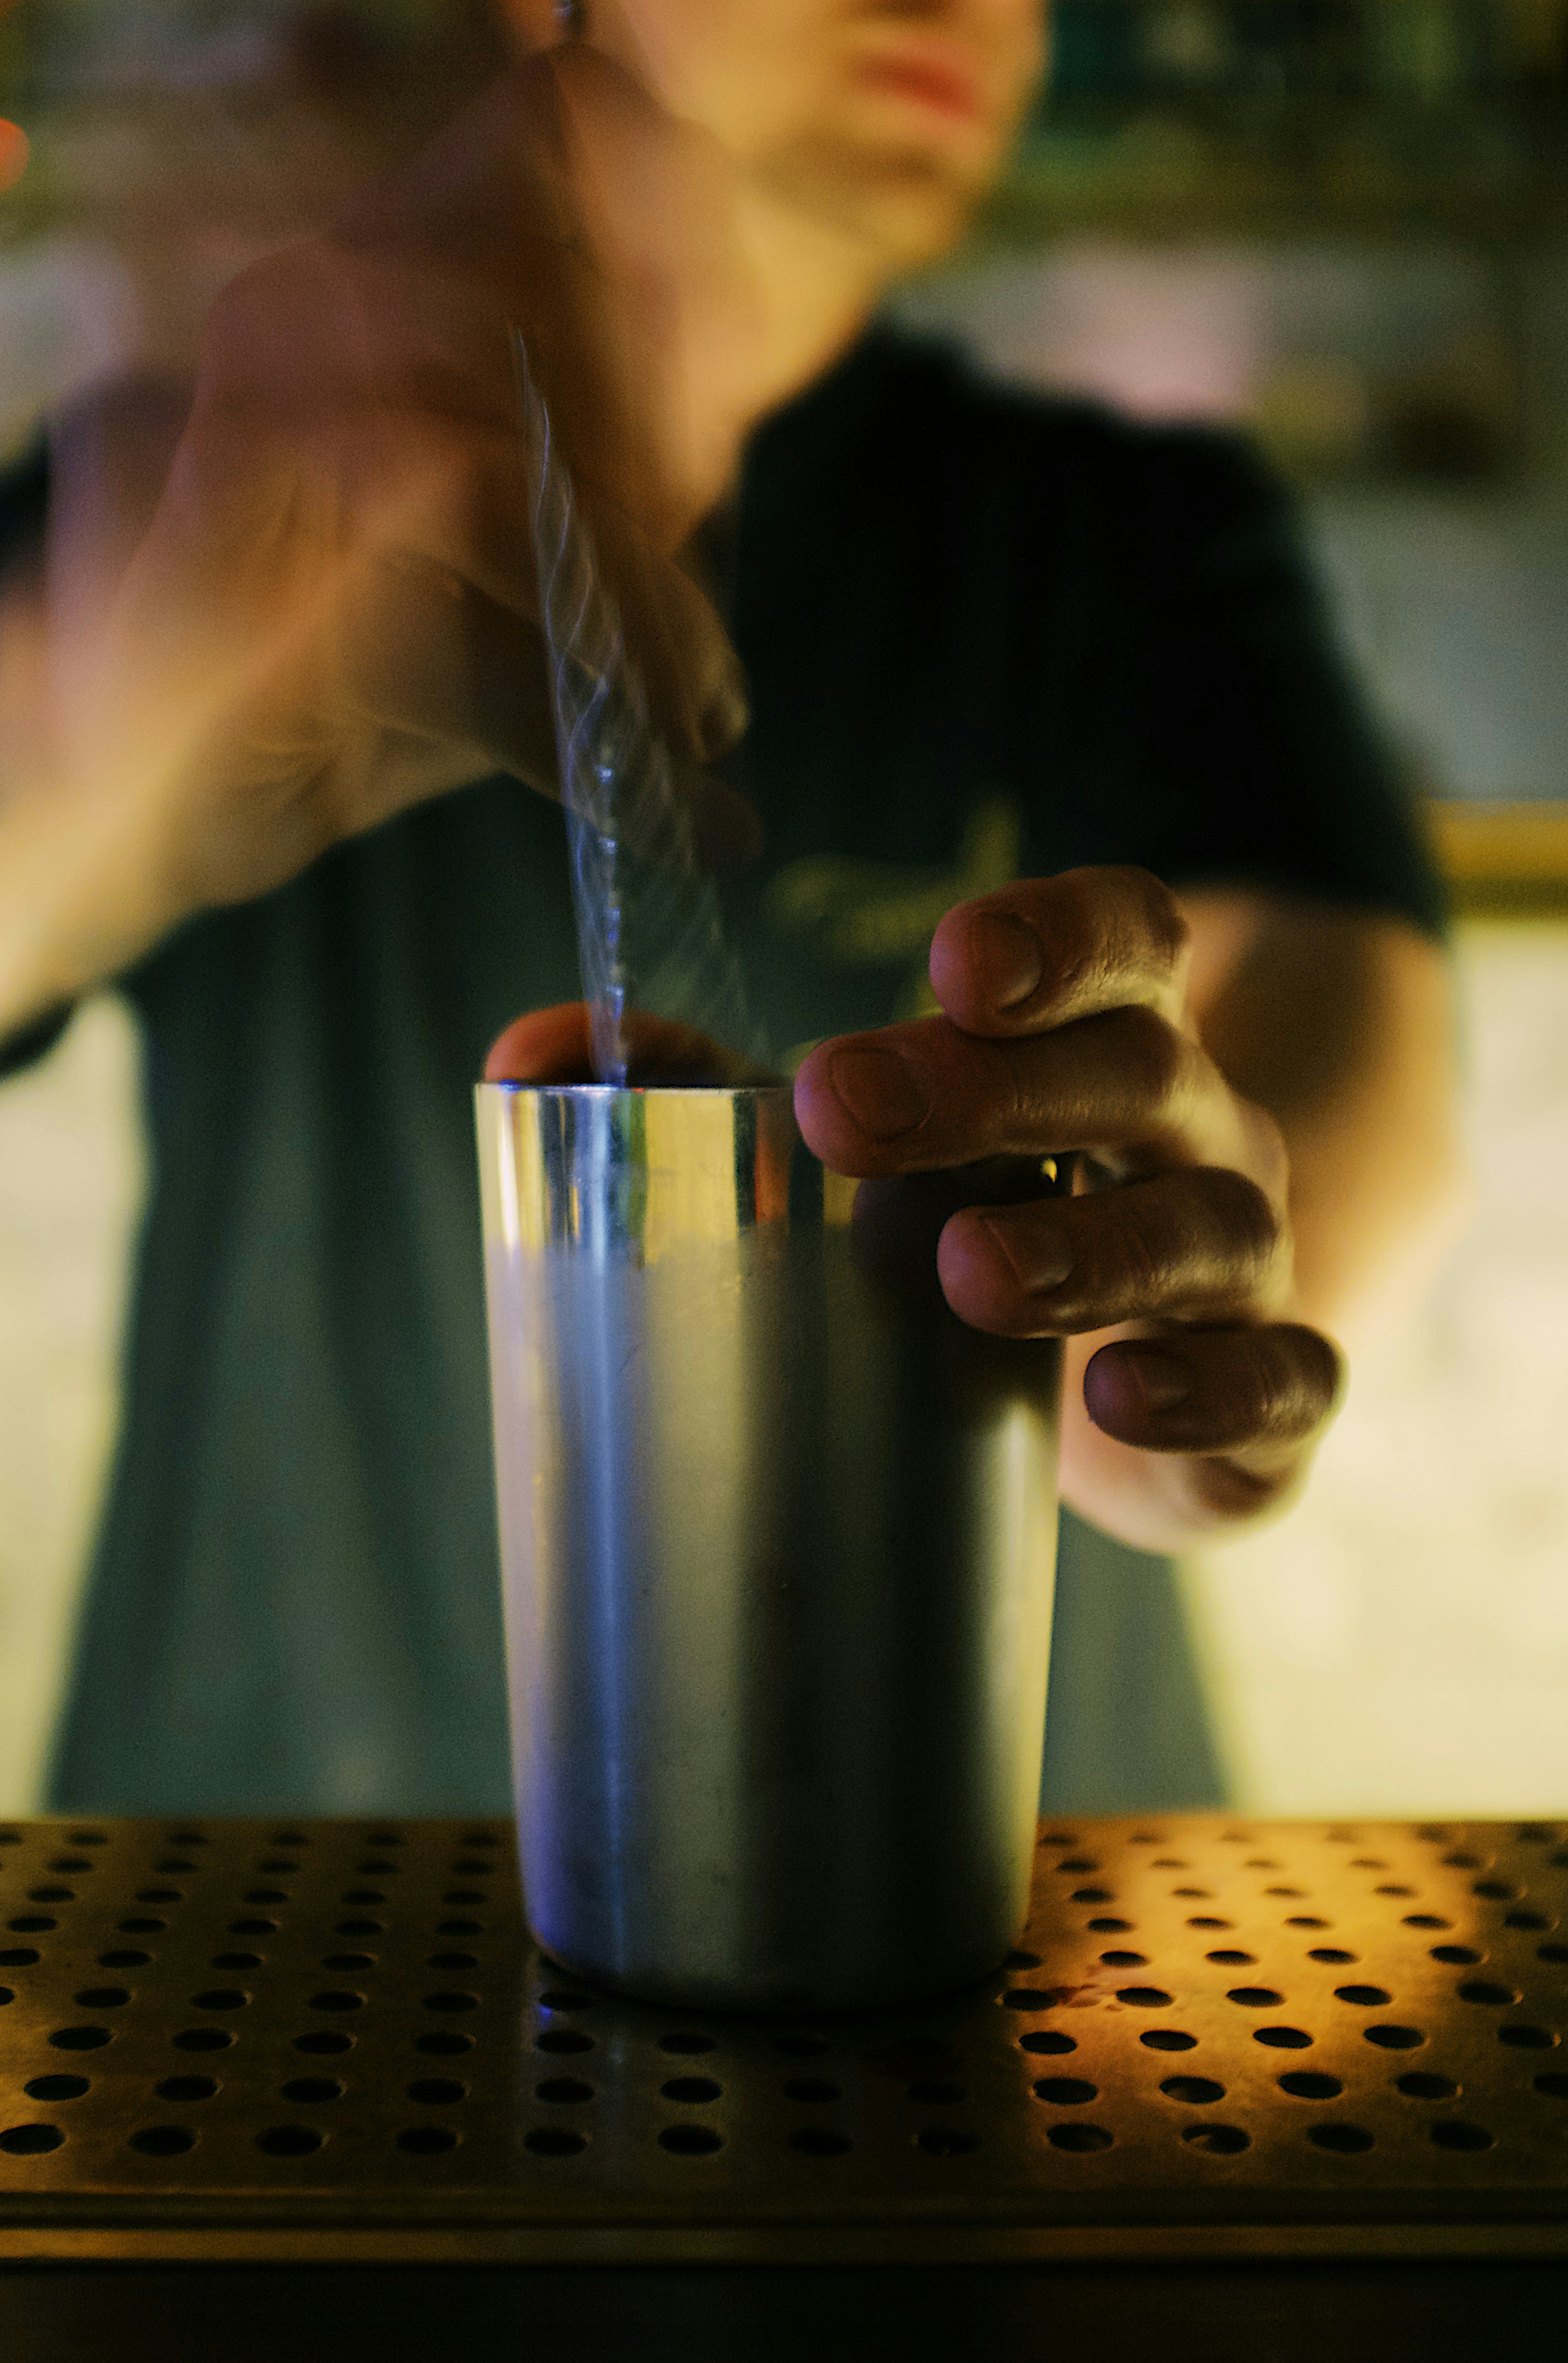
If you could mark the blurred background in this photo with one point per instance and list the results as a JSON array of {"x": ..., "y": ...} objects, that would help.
[{"x": 1339, "y": 224}]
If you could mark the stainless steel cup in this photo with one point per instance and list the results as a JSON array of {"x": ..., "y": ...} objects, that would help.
[{"x": 778, "y": 1539}]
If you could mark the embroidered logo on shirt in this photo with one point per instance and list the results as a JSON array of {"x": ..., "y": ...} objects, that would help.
[{"x": 867, "y": 914}]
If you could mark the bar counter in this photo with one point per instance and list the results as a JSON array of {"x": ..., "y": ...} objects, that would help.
[{"x": 1244, "y": 2087}]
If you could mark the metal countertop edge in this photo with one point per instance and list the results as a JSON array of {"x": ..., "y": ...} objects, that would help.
[
  {"x": 947, "y": 2244},
  {"x": 484, "y": 2213}
]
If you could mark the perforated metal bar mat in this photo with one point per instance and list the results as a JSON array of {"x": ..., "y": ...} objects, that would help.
[{"x": 334, "y": 2041}]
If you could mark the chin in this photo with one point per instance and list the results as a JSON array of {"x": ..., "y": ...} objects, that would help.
[{"x": 909, "y": 208}]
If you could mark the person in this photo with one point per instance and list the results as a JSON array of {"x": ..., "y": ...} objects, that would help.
[{"x": 1044, "y": 695}]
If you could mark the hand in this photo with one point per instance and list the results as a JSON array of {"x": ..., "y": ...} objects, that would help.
[
  {"x": 330, "y": 614},
  {"x": 555, "y": 1045},
  {"x": 1194, "y": 1394}
]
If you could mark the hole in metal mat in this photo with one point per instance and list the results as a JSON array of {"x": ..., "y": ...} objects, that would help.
[
  {"x": 1456, "y": 2133},
  {"x": 30, "y": 2141},
  {"x": 691, "y": 2141},
  {"x": 164, "y": 2141},
  {"x": 428, "y": 2141},
  {"x": 695, "y": 2090},
  {"x": 290, "y": 2141},
  {"x": 1078, "y": 2137},
  {"x": 555, "y": 2141},
  {"x": 571, "y": 2091},
  {"x": 820, "y": 2141},
  {"x": 1219, "y": 2141},
  {"x": 946, "y": 2141}
]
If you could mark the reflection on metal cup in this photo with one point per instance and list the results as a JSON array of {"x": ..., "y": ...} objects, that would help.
[{"x": 778, "y": 1539}]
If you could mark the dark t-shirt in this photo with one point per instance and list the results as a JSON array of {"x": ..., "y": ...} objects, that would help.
[{"x": 986, "y": 636}]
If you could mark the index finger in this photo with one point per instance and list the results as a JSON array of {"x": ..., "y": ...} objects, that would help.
[{"x": 1046, "y": 951}]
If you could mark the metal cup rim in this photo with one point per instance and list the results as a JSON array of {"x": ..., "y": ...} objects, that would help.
[{"x": 597, "y": 1092}]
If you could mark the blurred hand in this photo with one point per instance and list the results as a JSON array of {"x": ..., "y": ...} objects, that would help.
[
  {"x": 1193, "y": 1395},
  {"x": 332, "y": 614},
  {"x": 555, "y": 1045}
]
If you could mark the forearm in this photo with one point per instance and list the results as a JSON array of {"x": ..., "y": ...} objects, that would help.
[
  {"x": 82, "y": 894},
  {"x": 1342, "y": 1025},
  {"x": 84, "y": 888}
]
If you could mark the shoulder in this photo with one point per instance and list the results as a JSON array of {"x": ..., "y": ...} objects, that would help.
[{"x": 902, "y": 409}]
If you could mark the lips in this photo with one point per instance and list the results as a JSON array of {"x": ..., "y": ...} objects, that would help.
[{"x": 945, "y": 89}]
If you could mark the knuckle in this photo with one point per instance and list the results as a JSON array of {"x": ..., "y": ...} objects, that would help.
[
  {"x": 1324, "y": 1365},
  {"x": 1163, "y": 917},
  {"x": 1143, "y": 1249},
  {"x": 1070, "y": 914},
  {"x": 1246, "y": 1229},
  {"x": 1297, "y": 1374},
  {"x": 1154, "y": 1061},
  {"x": 1134, "y": 916}
]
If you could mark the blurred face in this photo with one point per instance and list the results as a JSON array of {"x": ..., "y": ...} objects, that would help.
[{"x": 887, "y": 118}]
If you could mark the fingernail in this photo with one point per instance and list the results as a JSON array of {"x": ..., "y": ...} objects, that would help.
[
  {"x": 1004, "y": 959},
  {"x": 880, "y": 1091},
  {"x": 1163, "y": 1380},
  {"x": 1039, "y": 1262}
]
